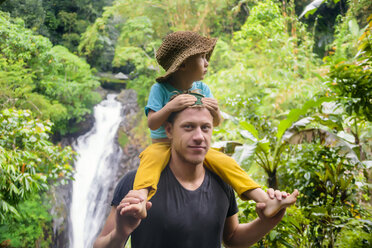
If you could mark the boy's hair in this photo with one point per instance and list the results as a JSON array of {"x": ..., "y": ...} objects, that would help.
[{"x": 179, "y": 46}]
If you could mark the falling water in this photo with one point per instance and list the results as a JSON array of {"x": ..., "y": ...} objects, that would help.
[{"x": 97, "y": 163}]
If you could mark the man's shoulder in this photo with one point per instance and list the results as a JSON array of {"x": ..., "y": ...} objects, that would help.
[
  {"x": 122, "y": 188},
  {"x": 226, "y": 187},
  {"x": 227, "y": 191},
  {"x": 129, "y": 175}
]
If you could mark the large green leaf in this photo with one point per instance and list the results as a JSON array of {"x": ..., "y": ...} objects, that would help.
[
  {"x": 227, "y": 147},
  {"x": 311, "y": 8},
  {"x": 250, "y": 128},
  {"x": 295, "y": 114},
  {"x": 326, "y": 138},
  {"x": 244, "y": 153}
]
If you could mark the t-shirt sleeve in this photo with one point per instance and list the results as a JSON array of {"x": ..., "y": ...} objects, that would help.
[
  {"x": 233, "y": 206},
  {"x": 206, "y": 91},
  {"x": 157, "y": 99},
  {"x": 123, "y": 187}
]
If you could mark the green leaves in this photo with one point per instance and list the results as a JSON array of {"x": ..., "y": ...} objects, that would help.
[
  {"x": 250, "y": 128},
  {"x": 28, "y": 160},
  {"x": 295, "y": 114},
  {"x": 52, "y": 82},
  {"x": 311, "y": 8},
  {"x": 351, "y": 82},
  {"x": 33, "y": 224}
]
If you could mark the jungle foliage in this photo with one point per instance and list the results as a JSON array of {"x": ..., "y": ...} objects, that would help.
[
  {"x": 29, "y": 161},
  {"x": 293, "y": 80},
  {"x": 62, "y": 22},
  {"x": 49, "y": 80}
]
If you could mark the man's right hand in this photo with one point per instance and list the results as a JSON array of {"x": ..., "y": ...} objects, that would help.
[{"x": 128, "y": 213}]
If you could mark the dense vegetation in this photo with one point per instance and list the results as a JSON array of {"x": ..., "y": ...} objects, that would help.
[{"x": 295, "y": 93}]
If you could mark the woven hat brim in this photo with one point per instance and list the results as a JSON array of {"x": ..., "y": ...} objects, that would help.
[{"x": 206, "y": 48}]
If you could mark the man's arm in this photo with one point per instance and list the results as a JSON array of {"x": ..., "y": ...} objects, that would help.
[
  {"x": 243, "y": 235},
  {"x": 109, "y": 237},
  {"x": 121, "y": 222}
]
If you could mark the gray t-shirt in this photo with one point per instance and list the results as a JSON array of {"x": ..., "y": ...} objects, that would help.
[{"x": 180, "y": 217}]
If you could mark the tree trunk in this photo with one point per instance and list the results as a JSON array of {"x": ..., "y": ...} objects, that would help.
[{"x": 272, "y": 180}]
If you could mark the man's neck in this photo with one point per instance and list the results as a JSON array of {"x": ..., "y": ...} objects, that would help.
[{"x": 190, "y": 176}]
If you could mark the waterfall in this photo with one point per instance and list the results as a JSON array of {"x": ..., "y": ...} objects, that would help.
[{"x": 96, "y": 166}]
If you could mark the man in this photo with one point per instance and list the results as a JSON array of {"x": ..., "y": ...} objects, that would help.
[{"x": 193, "y": 207}]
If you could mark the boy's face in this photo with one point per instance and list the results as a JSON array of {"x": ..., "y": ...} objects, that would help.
[{"x": 196, "y": 67}]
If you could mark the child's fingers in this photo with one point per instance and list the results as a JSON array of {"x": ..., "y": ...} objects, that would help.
[
  {"x": 211, "y": 103},
  {"x": 131, "y": 209},
  {"x": 182, "y": 101},
  {"x": 183, "y": 97},
  {"x": 210, "y": 100}
]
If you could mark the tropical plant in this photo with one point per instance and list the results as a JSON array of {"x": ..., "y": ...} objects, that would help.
[
  {"x": 50, "y": 81},
  {"x": 268, "y": 151},
  {"x": 60, "y": 21},
  {"x": 328, "y": 182},
  {"x": 29, "y": 162},
  {"x": 33, "y": 228}
]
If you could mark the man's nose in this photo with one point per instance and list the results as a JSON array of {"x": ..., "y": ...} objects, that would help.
[{"x": 198, "y": 135}]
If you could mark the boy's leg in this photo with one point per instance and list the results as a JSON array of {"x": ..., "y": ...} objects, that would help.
[
  {"x": 231, "y": 173},
  {"x": 153, "y": 160},
  {"x": 273, "y": 205}
]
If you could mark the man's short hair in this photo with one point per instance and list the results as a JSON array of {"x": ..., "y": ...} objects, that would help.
[
  {"x": 198, "y": 104},
  {"x": 172, "y": 117}
]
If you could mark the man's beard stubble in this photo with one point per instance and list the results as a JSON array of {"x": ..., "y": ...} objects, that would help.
[{"x": 183, "y": 158}]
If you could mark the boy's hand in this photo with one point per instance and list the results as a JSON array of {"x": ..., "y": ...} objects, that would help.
[
  {"x": 128, "y": 212},
  {"x": 180, "y": 102},
  {"x": 212, "y": 105}
]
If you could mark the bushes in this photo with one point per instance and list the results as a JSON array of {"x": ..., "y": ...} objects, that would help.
[
  {"x": 50, "y": 81},
  {"x": 29, "y": 162},
  {"x": 32, "y": 229}
]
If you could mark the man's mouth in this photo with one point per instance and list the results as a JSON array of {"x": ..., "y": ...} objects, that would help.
[{"x": 197, "y": 148}]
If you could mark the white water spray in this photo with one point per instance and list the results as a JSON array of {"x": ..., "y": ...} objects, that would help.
[{"x": 95, "y": 167}]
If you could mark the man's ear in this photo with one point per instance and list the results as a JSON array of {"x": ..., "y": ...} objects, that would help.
[{"x": 169, "y": 130}]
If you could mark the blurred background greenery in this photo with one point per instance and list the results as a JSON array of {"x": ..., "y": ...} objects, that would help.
[{"x": 293, "y": 80}]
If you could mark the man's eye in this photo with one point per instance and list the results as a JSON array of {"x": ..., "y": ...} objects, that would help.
[
  {"x": 187, "y": 127},
  {"x": 206, "y": 128}
]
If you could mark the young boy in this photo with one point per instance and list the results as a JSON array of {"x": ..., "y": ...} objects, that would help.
[{"x": 184, "y": 55}]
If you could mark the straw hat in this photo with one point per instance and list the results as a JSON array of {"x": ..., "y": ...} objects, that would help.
[{"x": 178, "y": 46}]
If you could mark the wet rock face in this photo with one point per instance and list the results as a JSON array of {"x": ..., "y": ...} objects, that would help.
[
  {"x": 60, "y": 199},
  {"x": 129, "y": 160},
  {"x": 131, "y": 149}
]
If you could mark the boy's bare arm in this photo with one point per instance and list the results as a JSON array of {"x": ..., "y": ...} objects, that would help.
[
  {"x": 156, "y": 119},
  {"x": 212, "y": 105}
]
